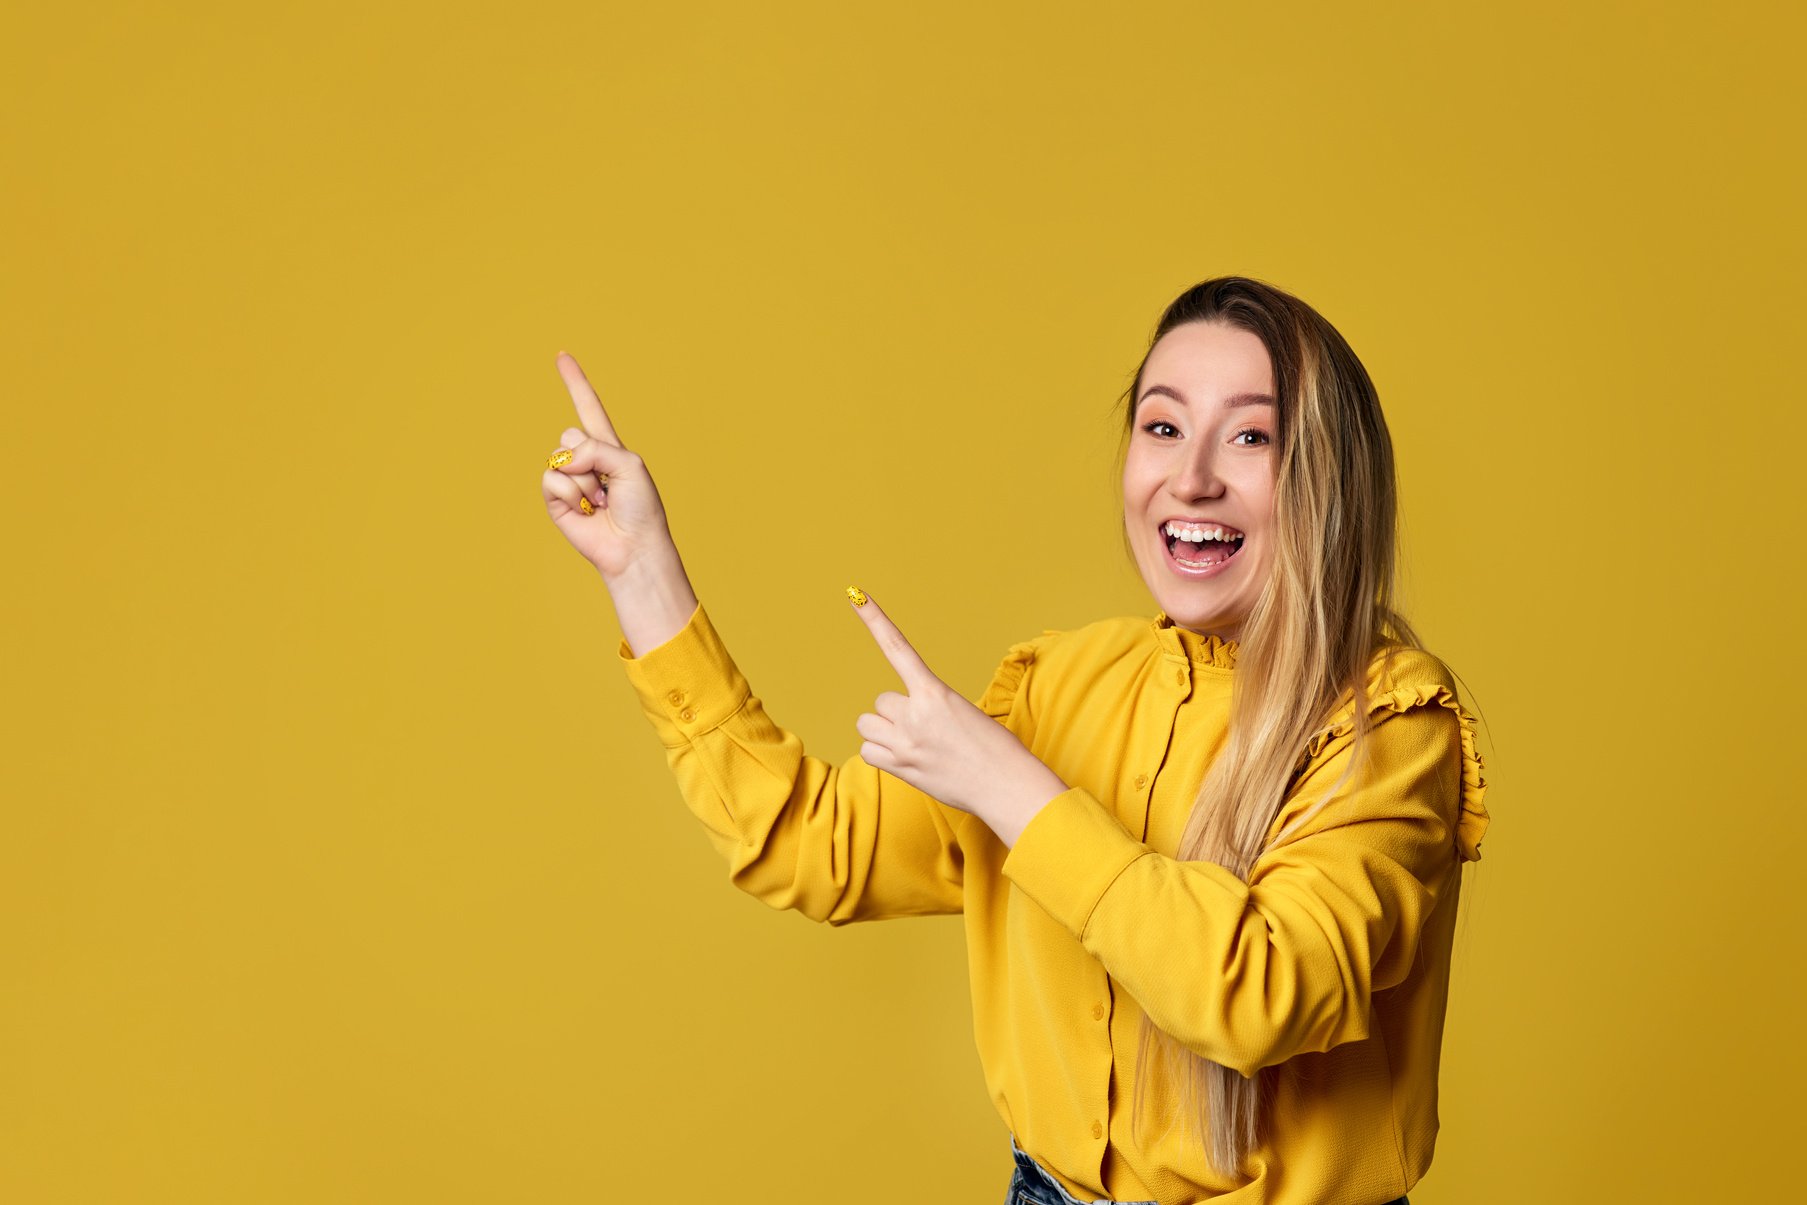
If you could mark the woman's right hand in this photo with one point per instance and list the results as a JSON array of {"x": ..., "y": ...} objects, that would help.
[{"x": 627, "y": 531}]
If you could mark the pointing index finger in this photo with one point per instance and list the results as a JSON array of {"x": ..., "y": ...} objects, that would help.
[
  {"x": 590, "y": 414},
  {"x": 891, "y": 642}
]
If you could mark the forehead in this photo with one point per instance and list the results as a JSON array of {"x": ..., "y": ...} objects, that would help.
[{"x": 1205, "y": 361}]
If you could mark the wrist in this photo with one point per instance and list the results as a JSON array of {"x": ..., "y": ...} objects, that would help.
[
  {"x": 1021, "y": 805},
  {"x": 653, "y": 601}
]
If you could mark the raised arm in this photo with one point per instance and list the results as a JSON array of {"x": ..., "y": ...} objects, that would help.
[
  {"x": 836, "y": 843},
  {"x": 602, "y": 499}
]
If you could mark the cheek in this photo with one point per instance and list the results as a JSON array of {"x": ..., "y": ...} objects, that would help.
[{"x": 1139, "y": 481}]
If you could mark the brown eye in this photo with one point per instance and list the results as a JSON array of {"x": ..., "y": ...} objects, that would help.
[
  {"x": 1251, "y": 431},
  {"x": 1150, "y": 427}
]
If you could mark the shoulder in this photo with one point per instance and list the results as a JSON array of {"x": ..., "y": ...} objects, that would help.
[
  {"x": 1405, "y": 681},
  {"x": 1058, "y": 653},
  {"x": 1400, "y": 668}
]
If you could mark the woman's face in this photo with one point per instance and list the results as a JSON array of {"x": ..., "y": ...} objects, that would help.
[{"x": 1201, "y": 456}]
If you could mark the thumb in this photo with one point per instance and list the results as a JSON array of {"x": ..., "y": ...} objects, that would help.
[{"x": 594, "y": 456}]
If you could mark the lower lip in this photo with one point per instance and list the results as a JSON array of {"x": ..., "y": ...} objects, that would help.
[{"x": 1185, "y": 571}]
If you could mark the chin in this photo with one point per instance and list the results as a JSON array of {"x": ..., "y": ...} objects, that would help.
[
  {"x": 1188, "y": 607},
  {"x": 1206, "y": 621}
]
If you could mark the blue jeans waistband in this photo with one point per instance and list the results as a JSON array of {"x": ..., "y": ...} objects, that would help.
[{"x": 1033, "y": 1184}]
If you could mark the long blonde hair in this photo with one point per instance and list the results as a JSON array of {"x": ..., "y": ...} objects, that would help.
[{"x": 1306, "y": 647}]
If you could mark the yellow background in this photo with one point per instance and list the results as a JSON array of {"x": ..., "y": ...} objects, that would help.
[{"x": 337, "y": 863}]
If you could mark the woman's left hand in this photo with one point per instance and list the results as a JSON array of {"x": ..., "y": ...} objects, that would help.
[{"x": 939, "y": 743}]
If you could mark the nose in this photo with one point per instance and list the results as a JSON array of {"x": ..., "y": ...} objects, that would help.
[{"x": 1195, "y": 475}]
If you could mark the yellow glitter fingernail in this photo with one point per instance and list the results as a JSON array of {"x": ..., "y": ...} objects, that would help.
[
  {"x": 559, "y": 458},
  {"x": 857, "y": 595},
  {"x": 583, "y": 504}
]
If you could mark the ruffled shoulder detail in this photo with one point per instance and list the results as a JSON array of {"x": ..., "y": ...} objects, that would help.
[
  {"x": 999, "y": 697},
  {"x": 1471, "y": 824}
]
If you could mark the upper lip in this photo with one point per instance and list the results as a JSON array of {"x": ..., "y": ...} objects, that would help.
[{"x": 1191, "y": 522}]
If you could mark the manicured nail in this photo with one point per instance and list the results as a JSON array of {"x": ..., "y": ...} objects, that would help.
[
  {"x": 857, "y": 595},
  {"x": 583, "y": 504},
  {"x": 559, "y": 458}
]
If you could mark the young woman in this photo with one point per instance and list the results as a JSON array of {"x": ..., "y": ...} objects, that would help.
[{"x": 1209, "y": 861}]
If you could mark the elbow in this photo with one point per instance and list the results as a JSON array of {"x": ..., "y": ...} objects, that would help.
[
  {"x": 1248, "y": 1049},
  {"x": 1308, "y": 1023},
  {"x": 1283, "y": 1043},
  {"x": 783, "y": 886},
  {"x": 1256, "y": 1023}
]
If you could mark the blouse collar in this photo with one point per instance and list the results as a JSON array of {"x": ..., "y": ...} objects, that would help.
[{"x": 1197, "y": 648}]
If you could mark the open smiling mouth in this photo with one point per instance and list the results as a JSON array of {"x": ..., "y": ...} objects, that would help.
[{"x": 1202, "y": 555}]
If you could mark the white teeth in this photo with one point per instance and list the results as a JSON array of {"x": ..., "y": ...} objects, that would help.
[{"x": 1198, "y": 535}]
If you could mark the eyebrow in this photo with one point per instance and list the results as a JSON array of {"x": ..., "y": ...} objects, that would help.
[{"x": 1230, "y": 403}]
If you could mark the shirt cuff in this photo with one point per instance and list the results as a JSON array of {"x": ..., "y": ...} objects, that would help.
[
  {"x": 689, "y": 684},
  {"x": 1069, "y": 854}
]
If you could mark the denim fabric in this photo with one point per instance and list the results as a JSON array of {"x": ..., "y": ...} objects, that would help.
[{"x": 1031, "y": 1184}]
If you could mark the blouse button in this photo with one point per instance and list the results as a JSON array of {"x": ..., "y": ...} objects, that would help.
[
  {"x": 1179, "y": 675},
  {"x": 1097, "y": 1012},
  {"x": 1141, "y": 781},
  {"x": 676, "y": 696},
  {"x": 687, "y": 715},
  {"x": 1097, "y": 1129}
]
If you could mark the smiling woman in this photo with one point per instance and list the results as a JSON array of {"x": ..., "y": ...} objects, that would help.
[
  {"x": 1209, "y": 860},
  {"x": 1198, "y": 475},
  {"x": 1251, "y": 408}
]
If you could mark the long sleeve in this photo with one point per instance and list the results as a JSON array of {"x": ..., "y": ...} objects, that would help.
[
  {"x": 1250, "y": 974},
  {"x": 838, "y": 844}
]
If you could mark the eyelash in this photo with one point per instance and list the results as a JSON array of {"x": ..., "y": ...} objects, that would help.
[{"x": 1161, "y": 422}]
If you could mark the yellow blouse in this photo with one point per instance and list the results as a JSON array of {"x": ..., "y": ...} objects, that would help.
[{"x": 1333, "y": 958}]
